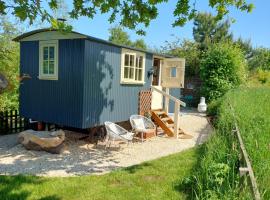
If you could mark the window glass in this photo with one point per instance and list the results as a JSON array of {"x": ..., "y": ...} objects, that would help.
[
  {"x": 51, "y": 67},
  {"x": 51, "y": 53},
  {"x": 45, "y": 67},
  {"x": 133, "y": 67},
  {"x": 48, "y": 60},
  {"x": 140, "y": 75},
  {"x": 131, "y": 73},
  {"x": 173, "y": 72},
  {"x": 45, "y": 53},
  {"x": 140, "y": 61},
  {"x": 126, "y": 72},
  {"x": 126, "y": 60},
  {"x": 131, "y": 60}
]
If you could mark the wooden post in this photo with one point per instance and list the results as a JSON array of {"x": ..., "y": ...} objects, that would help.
[
  {"x": 166, "y": 106},
  {"x": 176, "y": 118},
  {"x": 248, "y": 167}
]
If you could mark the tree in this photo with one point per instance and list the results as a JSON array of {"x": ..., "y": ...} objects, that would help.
[
  {"x": 130, "y": 13},
  {"x": 140, "y": 44},
  {"x": 119, "y": 36},
  {"x": 208, "y": 30},
  {"x": 260, "y": 59},
  {"x": 9, "y": 64},
  {"x": 223, "y": 67},
  {"x": 185, "y": 49},
  {"x": 246, "y": 46}
]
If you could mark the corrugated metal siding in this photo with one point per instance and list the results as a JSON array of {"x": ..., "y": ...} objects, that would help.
[
  {"x": 105, "y": 99},
  {"x": 51, "y": 101}
]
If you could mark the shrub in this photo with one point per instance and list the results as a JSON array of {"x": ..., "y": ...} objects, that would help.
[
  {"x": 212, "y": 108},
  {"x": 260, "y": 77},
  {"x": 223, "y": 67}
]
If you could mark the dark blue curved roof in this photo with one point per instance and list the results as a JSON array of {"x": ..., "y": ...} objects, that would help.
[{"x": 20, "y": 37}]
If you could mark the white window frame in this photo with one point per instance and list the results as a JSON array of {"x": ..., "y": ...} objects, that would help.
[
  {"x": 136, "y": 54},
  {"x": 48, "y": 43}
]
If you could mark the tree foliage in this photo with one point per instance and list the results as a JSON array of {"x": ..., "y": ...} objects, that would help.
[
  {"x": 139, "y": 43},
  {"x": 119, "y": 36},
  {"x": 9, "y": 64},
  {"x": 223, "y": 67},
  {"x": 185, "y": 49},
  {"x": 260, "y": 59},
  {"x": 208, "y": 30},
  {"x": 246, "y": 47},
  {"x": 130, "y": 13}
]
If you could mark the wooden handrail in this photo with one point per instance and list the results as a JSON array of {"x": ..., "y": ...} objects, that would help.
[
  {"x": 177, "y": 104},
  {"x": 169, "y": 96}
]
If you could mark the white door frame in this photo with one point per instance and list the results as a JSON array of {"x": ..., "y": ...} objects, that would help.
[{"x": 157, "y": 98}]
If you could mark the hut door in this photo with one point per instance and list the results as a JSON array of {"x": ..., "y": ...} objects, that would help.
[
  {"x": 173, "y": 73},
  {"x": 157, "y": 98}
]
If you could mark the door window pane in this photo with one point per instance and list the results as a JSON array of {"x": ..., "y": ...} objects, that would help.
[{"x": 173, "y": 72}]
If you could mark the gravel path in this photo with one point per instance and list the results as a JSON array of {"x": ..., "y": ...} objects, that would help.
[{"x": 81, "y": 158}]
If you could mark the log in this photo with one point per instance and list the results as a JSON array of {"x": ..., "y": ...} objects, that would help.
[{"x": 52, "y": 142}]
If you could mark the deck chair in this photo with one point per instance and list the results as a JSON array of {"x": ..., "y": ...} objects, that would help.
[
  {"x": 141, "y": 124},
  {"x": 116, "y": 132}
]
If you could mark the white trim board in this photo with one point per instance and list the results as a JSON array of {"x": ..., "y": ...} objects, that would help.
[{"x": 52, "y": 35}]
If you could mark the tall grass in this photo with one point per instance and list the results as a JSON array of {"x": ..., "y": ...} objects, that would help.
[{"x": 217, "y": 174}]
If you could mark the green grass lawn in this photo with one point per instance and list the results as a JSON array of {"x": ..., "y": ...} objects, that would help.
[
  {"x": 252, "y": 110},
  {"x": 158, "y": 179},
  {"x": 217, "y": 173}
]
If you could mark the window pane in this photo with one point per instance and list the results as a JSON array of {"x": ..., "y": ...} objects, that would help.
[
  {"x": 140, "y": 75},
  {"x": 45, "y": 67},
  {"x": 173, "y": 72},
  {"x": 136, "y": 74},
  {"x": 132, "y": 60},
  {"x": 126, "y": 60},
  {"x": 140, "y": 61},
  {"x": 51, "y": 67},
  {"x": 137, "y": 62},
  {"x": 45, "y": 53},
  {"x": 51, "y": 52},
  {"x": 131, "y": 73},
  {"x": 126, "y": 72}
]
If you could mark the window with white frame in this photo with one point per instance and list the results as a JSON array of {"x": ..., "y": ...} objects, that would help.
[
  {"x": 132, "y": 67},
  {"x": 48, "y": 60}
]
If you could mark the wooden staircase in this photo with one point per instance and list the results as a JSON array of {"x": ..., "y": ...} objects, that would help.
[{"x": 162, "y": 119}]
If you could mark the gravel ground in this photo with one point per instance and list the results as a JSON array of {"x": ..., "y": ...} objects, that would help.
[{"x": 82, "y": 158}]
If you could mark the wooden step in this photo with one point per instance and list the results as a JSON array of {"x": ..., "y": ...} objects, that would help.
[
  {"x": 166, "y": 119},
  {"x": 160, "y": 112},
  {"x": 162, "y": 122},
  {"x": 170, "y": 125}
]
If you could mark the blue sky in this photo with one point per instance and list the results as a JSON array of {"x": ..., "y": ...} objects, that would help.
[{"x": 254, "y": 26}]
